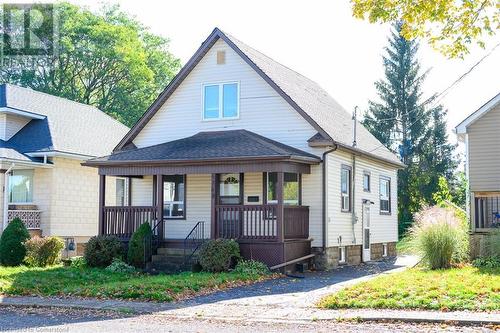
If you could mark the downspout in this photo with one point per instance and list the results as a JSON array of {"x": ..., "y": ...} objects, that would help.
[
  {"x": 6, "y": 197},
  {"x": 324, "y": 196},
  {"x": 353, "y": 202}
]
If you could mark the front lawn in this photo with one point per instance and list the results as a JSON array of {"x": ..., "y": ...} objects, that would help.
[
  {"x": 465, "y": 288},
  {"x": 93, "y": 282}
]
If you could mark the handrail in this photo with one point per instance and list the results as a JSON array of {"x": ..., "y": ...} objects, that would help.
[{"x": 195, "y": 237}]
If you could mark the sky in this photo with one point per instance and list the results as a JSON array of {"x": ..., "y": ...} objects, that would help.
[{"x": 321, "y": 40}]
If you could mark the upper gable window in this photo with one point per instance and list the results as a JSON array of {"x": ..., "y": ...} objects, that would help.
[{"x": 220, "y": 101}]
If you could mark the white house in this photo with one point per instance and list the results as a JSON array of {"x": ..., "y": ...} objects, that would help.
[
  {"x": 43, "y": 141},
  {"x": 240, "y": 146}
]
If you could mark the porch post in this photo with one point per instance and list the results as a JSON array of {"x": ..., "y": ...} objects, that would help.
[
  {"x": 279, "y": 208},
  {"x": 159, "y": 205},
  {"x": 213, "y": 207},
  {"x": 102, "y": 203}
]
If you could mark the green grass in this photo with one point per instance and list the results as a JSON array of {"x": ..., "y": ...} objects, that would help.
[
  {"x": 93, "y": 282},
  {"x": 453, "y": 289}
]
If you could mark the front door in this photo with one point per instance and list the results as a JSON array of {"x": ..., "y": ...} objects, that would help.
[
  {"x": 366, "y": 231},
  {"x": 230, "y": 194}
]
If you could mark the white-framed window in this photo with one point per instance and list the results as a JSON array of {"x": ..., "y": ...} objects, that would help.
[
  {"x": 384, "y": 247},
  {"x": 345, "y": 188},
  {"x": 221, "y": 101},
  {"x": 174, "y": 196},
  {"x": 121, "y": 191},
  {"x": 21, "y": 186},
  {"x": 341, "y": 254},
  {"x": 366, "y": 181},
  {"x": 385, "y": 195},
  {"x": 291, "y": 188}
]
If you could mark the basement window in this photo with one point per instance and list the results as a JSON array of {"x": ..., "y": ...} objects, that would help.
[
  {"x": 341, "y": 254},
  {"x": 384, "y": 253}
]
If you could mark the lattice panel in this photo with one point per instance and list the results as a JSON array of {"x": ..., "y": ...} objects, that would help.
[{"x": 30, "y": 218}]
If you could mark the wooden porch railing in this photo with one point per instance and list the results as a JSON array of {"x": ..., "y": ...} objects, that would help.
[
  {"x": 261, "y": 222},
  {"x": 123, "y": 221},
  {"x": 296, "y": 219}
]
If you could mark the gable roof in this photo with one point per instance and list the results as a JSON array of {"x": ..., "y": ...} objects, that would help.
[
  {"x": 206, "y": 146},
  {"x": 332, "y": 121},
  {"x": 492, "y": 103},
  {"x": 58, "y": 124}
]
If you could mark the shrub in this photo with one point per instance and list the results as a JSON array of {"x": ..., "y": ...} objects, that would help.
[
  {"x": 101, "y": 250},
  {"x": 119, "y": 266},
  {"x": 251, "y": 267},
  {"x": 78, "y": 262},
  {"x": 219, "y": 255},
  {"x": 44, "y": 251},
  {"x": 487, "y": 262},
  {"x": 440, "y": 236},
  {"x": 12, "y": 248},
  {"x": 135, "y": 256}
]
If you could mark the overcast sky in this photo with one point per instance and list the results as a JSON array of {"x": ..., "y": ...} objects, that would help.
[{"x": 321, "y": 40}]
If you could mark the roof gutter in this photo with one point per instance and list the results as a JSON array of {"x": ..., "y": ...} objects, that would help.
[
  {"x": 323, "y": 208},
  {"x": 57, "y": 153}
]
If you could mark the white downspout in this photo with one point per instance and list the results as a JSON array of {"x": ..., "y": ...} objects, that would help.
[{"x": 6, "y": 197}]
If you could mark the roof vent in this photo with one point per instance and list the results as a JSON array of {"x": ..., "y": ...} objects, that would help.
[{"x": 221, "y": 57}]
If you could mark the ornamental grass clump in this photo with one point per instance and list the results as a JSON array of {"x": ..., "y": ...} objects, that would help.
[{"x": 440, "y": 236}]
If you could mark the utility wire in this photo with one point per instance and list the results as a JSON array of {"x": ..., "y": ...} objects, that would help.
[{"x": 437, "y": 98}]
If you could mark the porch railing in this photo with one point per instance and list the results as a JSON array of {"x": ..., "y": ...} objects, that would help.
[
  {"x": 30, "y": 217},
  {"x": 123, "y": 221},
  {"x": 487, "y": 212},
  {"x": 296, "y": 219},
  {"x": 261, "y": 222}
]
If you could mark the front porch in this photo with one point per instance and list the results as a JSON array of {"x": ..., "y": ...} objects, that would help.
[{"x": 227, "y": 184}]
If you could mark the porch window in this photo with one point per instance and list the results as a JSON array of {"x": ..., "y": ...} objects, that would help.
[
  {"x": 345, "y": 188},
  {"x": 385, "y": 195},
  {"x": 174, "y": 196},
  {"x": 21, "y": 186},
  {"x": 121, "y": 191},
  {"x": 291, "y": 188},
  {"x": 229, "y": 188},
  {"x": 220, "y": 101}
]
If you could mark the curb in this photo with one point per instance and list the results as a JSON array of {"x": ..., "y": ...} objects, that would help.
[{"x": 338, "y": 317}]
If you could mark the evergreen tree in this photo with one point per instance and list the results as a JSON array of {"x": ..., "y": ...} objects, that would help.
[{"x": 410, "y": 127}]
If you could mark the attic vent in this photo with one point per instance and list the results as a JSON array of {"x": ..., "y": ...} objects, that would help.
[{"x": 221, "y": 57}]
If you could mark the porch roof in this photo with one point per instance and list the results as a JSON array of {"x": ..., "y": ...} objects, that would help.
[{"x": 234, "y": 146}]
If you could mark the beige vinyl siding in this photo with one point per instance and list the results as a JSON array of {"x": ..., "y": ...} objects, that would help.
[
  {"x": 262, "y": 110},
  {"x": 252, "y": 183},
  {"x": 10, "y": 125},
  {"x": 341, "y": 231},
  {"x": 198, "y": 203},
  {"x": 142, "y": 191},
  {"x": 68, "y": 196},
  {"x": 484, "y": 152},
  {"x": 312, "y": 196}
]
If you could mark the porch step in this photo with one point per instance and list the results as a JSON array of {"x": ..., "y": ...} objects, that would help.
[
  {"x": 162, "y": 258},
  {"x": 170, "y": 251}
]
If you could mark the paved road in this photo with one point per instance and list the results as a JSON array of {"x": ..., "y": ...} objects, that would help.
[{"x": 59, "y": 320}]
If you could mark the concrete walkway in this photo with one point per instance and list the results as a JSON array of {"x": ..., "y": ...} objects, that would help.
[{"x": 289, "y": 299}]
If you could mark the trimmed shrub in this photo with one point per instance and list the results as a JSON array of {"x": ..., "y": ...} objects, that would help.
[
  {"x": 78, "y": 262},
  {"x": 441, "y": 237},
  {"x": 119, "y": 266},
  {"x": 219, "y": 255},
  {"x": 12, "y": 248},
  {"x": 101, "y": 250},
  {"x": 135, "y": 256},
  {"x": 43, "y": 251},
  {"x": 251, "y": 267}
]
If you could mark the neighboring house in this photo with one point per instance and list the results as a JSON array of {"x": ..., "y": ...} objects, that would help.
[
  {"x": 43, "y": 141},
  {"x": 239, "y": 146},
  {"x": 481, "y": 134}
]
